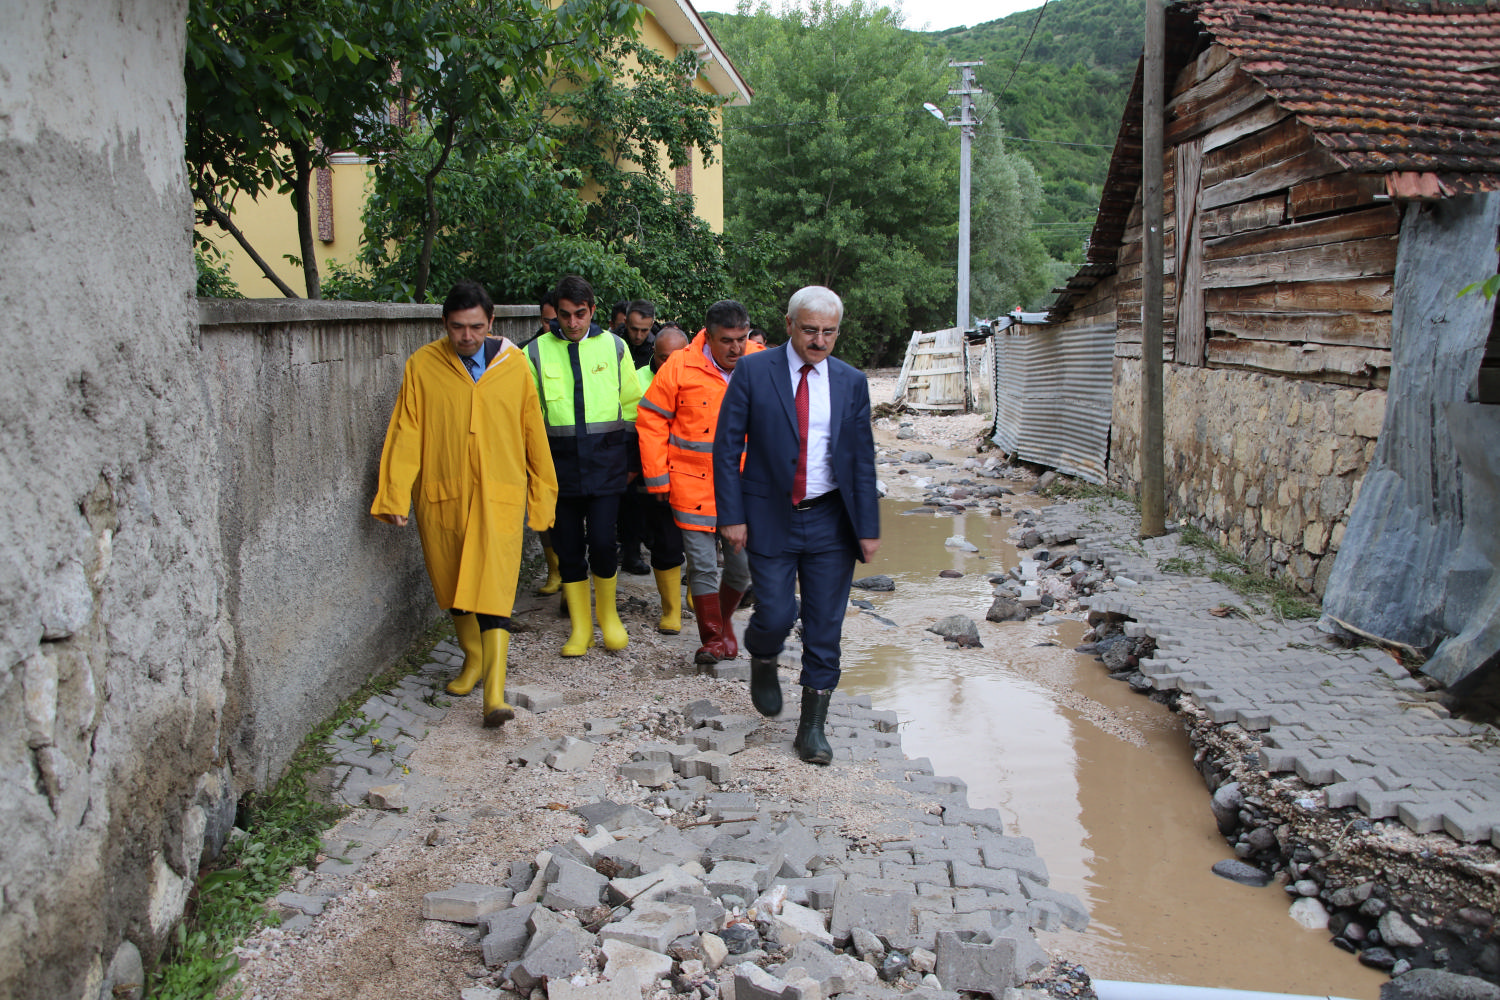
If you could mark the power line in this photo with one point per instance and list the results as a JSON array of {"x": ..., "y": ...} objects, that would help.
[
  {"x": 1024, "y": 49},
  {"x": 902, "y": 114},
  {"x": 1058, "y": 142}
]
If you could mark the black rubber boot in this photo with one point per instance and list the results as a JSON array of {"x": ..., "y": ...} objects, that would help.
[
  {"x": 811, "y": 743},
  {"x": 765, "y": 686}
]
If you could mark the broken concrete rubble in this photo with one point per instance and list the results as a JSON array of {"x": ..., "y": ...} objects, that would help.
[{"x": 941, "y": 897}]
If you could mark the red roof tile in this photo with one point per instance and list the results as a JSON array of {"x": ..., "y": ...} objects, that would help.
[
  {"x": 1386, "y": 86},
  {"x": 1408, "y": 90}
]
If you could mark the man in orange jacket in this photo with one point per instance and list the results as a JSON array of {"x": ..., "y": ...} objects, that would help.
[{"x": 675, "y": 424}]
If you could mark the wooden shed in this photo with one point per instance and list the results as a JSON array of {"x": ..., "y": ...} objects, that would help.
[{"x": 1328, "y": 179}]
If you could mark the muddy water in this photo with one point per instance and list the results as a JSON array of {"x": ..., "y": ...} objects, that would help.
[{"x": 1101, "y": 778}]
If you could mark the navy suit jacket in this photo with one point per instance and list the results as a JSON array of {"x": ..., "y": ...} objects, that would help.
[{"x": 759, "y": 418}]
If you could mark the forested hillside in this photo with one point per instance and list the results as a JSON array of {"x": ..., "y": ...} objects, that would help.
[
  {"x": 1055, "y": 75},
  {"x": 1056, "y": 79}
]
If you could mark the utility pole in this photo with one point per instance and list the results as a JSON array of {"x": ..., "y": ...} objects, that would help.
[
  {"x": 966, "y": 122},
  {"x": 1153, "y": 475}
]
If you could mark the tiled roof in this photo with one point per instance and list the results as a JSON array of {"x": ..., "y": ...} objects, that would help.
[
  {"x": 1387, "y": 87},
  {"x": 1408, "y": 90}
]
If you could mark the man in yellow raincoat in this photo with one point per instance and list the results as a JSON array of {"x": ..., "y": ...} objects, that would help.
[{"x": 467, "y": 440}]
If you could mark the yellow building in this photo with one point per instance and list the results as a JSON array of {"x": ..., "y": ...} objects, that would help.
[{"x": 270, "y": 224}]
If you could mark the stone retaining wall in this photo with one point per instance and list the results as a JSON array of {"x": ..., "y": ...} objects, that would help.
[{"x": 1268, "y": 466}]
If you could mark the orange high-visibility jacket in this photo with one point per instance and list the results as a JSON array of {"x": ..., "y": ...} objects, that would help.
[{"x": 675, "y": 424}]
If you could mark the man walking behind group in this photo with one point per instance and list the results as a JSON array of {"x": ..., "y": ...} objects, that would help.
[
  {"x": 467, "y": 426},
  {"x": 589, "y": 393},
  {"x": 637, "y": 332},
  {"x": 663, "y": 536},
  {"x": 805, "y": 505},
  {"x": 676, "y": 425}
]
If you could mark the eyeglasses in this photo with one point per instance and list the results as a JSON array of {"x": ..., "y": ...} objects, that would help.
[{"x": 813, "y": 331}]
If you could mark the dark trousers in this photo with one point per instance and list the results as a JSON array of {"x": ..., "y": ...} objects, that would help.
[
  {"x": 633, "y": 529},
  {"x": 663, "y": 537},
  {"x": 584, "y": 537},
  {"x": 819, "y": 554}
]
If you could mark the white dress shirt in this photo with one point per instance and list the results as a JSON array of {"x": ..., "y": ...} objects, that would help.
[{"x": 819, "y": 422}]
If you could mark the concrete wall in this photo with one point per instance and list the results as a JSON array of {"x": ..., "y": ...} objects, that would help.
[
  {"x": 318, "y": 593},
  {"x": 1269, "y": 466},
  {"x": 112, "y": 643}
]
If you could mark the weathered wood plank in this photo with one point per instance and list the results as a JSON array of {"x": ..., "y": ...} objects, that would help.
[
  {"x": 1282, "y": 141},
  {"x": 1131, "y": 251},
  {"x": 1333, "y": 193},
  {"x": 1353, "y": 295},
  {"x": 1243, "y": 216},
  {"x": 1213, "y": 102},
  {"x": 1259, "y": 116},
  {"x": 1275, "y": 177},
  {"x": 1351, "y": 329},
  {"x": 1383, "y": 220},
  {"x": 1354, "y": 259},
  {"x": 1188, "y": 256},
  {"x": 1208, "y": 62},
  {"x": 1307, "y": 361}
]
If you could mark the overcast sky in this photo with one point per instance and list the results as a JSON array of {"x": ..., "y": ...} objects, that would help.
[{"x": 933, "y": 15}]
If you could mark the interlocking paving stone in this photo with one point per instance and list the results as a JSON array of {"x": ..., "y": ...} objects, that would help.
[{"x": 1320, "y": 709}]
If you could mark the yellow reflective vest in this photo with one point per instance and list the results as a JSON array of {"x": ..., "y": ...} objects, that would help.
[{"x": 589, "y": 391}]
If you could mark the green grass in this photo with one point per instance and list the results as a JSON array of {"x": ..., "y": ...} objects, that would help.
[
  {"x": 1183, "y": 567},
  {"x": 1234, "y": 572},
  {"x": 1063, "y": 488},
  {"x": 283, "y": 828}
]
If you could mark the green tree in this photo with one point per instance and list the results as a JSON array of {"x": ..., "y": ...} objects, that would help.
[
  {"x": 276, "y": 85},
  {"x": 273, "y": 86},
  {"x": 478, "y": 76},
  {"x": 623, "y": 130},
  {"x": 836, "y": 158},
  {"x": 576, "y": 182}
]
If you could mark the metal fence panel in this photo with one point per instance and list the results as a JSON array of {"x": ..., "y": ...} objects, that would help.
[{"x": 1053, "y": 396}]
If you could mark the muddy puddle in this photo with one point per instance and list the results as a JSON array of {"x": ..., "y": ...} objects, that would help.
[{"x": 1100, "y": 777}]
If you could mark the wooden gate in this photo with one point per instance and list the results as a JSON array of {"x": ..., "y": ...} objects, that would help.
[{"x": 935, "y": 374}]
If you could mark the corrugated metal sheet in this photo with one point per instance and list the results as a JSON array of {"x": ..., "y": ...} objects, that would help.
[{"x": 1054, "y": 390}]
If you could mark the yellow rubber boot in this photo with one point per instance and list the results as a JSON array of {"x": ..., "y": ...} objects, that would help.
[
  {"x": 669, "y": 585},
  {"x": 496, "y": 642},
  {"x": 610, "y": 625},
  {"x": 553, "y": 583},
  {"x": 577, "y": 595},
  {"x": 467, "y": 627}
]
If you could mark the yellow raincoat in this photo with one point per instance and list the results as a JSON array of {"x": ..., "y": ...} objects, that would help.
[{"x": 475, "y": 454}]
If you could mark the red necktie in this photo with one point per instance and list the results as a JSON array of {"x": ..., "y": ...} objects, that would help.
[{"x": 799, "y": 482}]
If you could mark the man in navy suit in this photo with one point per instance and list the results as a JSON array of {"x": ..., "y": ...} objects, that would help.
[{"x": 804, "y": 504}]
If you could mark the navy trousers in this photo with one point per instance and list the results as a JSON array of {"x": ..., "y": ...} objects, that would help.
[
  {"x": 819, "y": 555},
  {"x": 584, "y": 537}
]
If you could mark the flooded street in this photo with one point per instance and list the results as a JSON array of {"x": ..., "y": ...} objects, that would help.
[{"x": 1100, "y": 777}]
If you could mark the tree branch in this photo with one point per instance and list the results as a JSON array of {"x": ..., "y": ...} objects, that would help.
[{"x": 221, "y": 218}]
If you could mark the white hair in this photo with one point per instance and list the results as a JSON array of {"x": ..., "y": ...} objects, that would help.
[{"x": 815, "y": 297}]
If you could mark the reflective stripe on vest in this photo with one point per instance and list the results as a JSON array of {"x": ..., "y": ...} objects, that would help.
[
  {"x": 596, "y": 404},
  {"x": 704, "y": 520},
  {"x": 668, "y": 414},
  {"x": 688, "y": 445}
]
